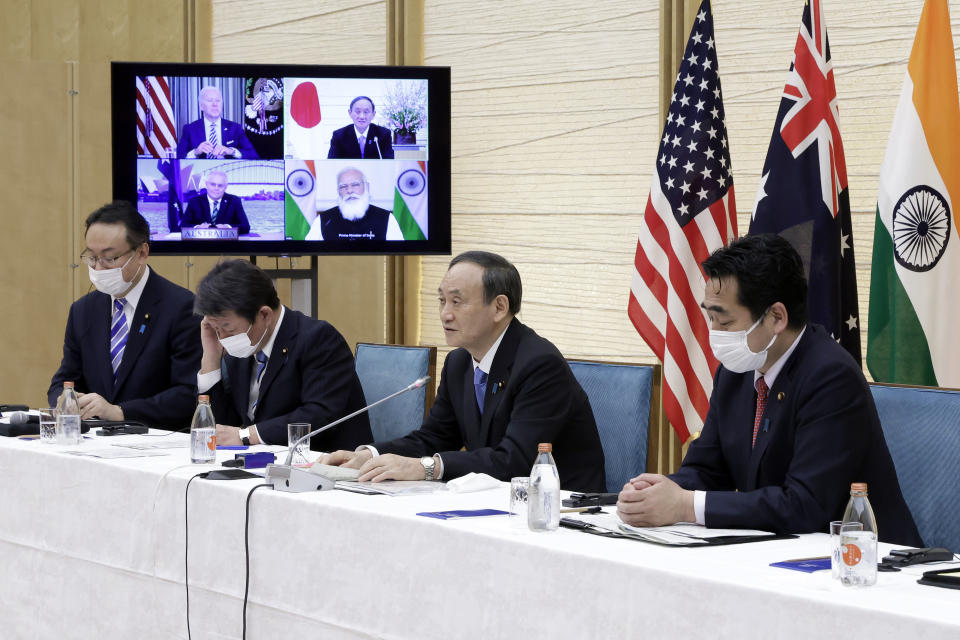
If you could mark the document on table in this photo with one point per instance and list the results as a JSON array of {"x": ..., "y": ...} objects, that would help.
[
  {"x": 115, "y": 452},
  {"x": 146, "y": 446},
  {"x": 393, "y": 487},
  {"x": 680, "y": 534}
]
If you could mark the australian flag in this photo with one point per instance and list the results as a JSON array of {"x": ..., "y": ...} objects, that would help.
[
  {"x": 803, "y": 193},
  {"x": 170, "y": 168}
]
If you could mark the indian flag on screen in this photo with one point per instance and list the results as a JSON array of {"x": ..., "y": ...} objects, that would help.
[
  {"x": 914, "y": 300},
  {"x": 300, "y": 205},
  {"x": 410, "y": 200}
]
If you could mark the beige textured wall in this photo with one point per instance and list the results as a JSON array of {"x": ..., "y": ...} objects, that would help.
[{"x": 555, "y": 128}]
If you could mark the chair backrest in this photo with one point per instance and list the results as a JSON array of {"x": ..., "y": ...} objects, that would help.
[
  {"x": 922, "y": 428},
  {"x": 620, "y": 395},
  {"x": 384, "y": 369}
]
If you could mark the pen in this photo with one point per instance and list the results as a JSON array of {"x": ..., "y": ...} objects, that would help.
[
  {"x": 221, "y": 447},
  {"x": 593, "y": 509},
  {"x": 808, "y": 559}
]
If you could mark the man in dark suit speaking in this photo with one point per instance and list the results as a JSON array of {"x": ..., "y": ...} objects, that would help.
[
  {"x": 281, "y": 366},
  {"x": 791, "y": 422},
  {"x": 503, "y": 390},
  {"x": 354, "y": 218},
  {"x": 216, "y": 208},
  {"x": 362, "y": 139},
  {"x": 212, "y": 136},
  {"x": 132, "y": 345}
]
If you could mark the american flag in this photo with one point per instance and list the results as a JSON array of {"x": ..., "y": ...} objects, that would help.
[
  {"x": 155, "y": 130},
  {"x": 803, "y": 193},
  {"x": 690, "y": 213}
]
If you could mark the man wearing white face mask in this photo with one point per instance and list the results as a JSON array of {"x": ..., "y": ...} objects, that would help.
[
  {"x": 281, "y": 366},
  {"x": 791, "y": 421},
  {"x": 131, "y": 345}
]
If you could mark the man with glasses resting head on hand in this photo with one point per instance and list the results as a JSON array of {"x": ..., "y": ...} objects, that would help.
[{"x": 132, "y": 346}]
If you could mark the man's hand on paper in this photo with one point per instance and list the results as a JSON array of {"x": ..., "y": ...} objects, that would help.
[{"x": 653, "y": 500}]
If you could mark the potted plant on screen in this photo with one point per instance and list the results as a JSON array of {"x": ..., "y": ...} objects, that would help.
[{"x": 405, "y": 108}]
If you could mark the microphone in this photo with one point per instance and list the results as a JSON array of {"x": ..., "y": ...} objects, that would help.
[
  {"x": 285, "y": 477},
  {"x": 22, "y": 417},
  {"x": 377, "y": 141}
]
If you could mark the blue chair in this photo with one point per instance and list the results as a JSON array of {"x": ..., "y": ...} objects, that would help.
[
  {"x": 384, "y": 369},
  {"x": 620, "y": 395},
  {"x": 922, "y": 428}
]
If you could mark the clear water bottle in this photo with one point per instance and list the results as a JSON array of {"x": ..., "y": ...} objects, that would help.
[
  {"x": 543, "y": 496},
  {"x": 203, "y": 433},
  {"x": 858, "y": 544},
  {"x": 68, "y": 416}
]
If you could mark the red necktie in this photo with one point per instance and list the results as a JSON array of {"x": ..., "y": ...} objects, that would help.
[{"x": 762, "y": 390}]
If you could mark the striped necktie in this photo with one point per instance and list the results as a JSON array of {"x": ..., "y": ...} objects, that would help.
[
  {"x": 363, "y": 145},
  {"x": 216, "y": 210},
  {"x": 480, "y": 386},
  {"x": 212, "y": 135},
  {"x": 118, "y": 335},
  {"x": 762, "y": 391},
  {"x": 261, "y": 358}
]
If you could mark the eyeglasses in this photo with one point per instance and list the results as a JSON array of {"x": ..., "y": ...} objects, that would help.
[
  {"x": 106, "y": 263},
  {"x": 352, "y": 185}
]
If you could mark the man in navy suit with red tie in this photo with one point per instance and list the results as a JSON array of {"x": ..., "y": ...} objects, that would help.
[
  {"x": 362, "y": 139},
  {"x": 132, "y": 346},
  {"x": 791, "y": 422},
  {"x": 215, "y": 207},
  {"x": 212, "y": 136}
]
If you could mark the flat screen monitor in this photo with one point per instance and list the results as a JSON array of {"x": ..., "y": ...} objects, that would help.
[{"x": 261, "y": 159}]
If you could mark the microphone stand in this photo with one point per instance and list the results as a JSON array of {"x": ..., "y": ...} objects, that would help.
[{"x": 286, "y": 477}]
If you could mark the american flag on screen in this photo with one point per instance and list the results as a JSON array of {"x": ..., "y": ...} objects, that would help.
[
  {"x": 155, "y": 129},
  {"x": 690, "y": 213},
  {"x": 803, "y": 194}
]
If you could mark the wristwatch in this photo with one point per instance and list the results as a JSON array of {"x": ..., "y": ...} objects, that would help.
[
  {"x": 429, "y": 467},
  {"x": 245, "y": 436}
]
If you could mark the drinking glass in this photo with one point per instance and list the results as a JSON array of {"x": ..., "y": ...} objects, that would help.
[
  {"x": 518, "y": 501},
  {"x": 295, "y": 431},
  {"x": 48, "y": 425}
]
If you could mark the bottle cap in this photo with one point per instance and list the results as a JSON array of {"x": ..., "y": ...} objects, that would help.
[
  {"x": 203, "y": 398},
  {"x": 858, "y": 487},
  {"x": 68, "y": 385},
  {"x": 544, "y": 447}
]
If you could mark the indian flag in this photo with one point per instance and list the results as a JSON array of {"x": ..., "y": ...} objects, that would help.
[
  {"x": 300, "y": 203},
  {"x": 410, "y": 200},
  {"x": 914, "y": 300}
]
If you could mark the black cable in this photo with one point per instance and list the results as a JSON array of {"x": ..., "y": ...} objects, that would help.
[
  {"x": 246, "y": 553},
  {"x": 186, "y": 544}
]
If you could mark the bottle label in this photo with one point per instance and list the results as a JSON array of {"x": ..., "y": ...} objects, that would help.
[{"x": 851, "y": 554}]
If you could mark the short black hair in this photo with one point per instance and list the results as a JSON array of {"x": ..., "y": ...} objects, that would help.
[
  {"x": 122, "y": 212},
  {"x": 373, "y": 107},
  {"x": 499, "y": 277},
  {"x": 767, "y": 269},
  {"x": 238, "y": 286}
]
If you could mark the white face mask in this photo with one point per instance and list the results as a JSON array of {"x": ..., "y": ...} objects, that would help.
[
  {"x": 239, "y": 345},
  {"x": 731, "y": 349},
  {"x": 110, "y": 281}
]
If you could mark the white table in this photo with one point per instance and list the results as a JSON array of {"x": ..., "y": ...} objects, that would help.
[{"x": 93, "y": 548}]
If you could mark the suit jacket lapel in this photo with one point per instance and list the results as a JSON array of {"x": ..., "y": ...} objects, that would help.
[
  {"x": 471, "y": 412},
  {"x": 100, "y": 333},
  {"x": 282, "y": 346},
  {"x": 499, "y": 374},
  {"x": 147, "y": 308}
]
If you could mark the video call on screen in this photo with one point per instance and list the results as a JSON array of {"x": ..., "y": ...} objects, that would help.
[{"x": 282, "y": 158}]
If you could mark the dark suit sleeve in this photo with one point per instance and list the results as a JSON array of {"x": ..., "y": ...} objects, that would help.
[
  {"x": 704, "y": 467},
  {"x": 71, "y": 366},
  {"x": 192, "y": 216},
  {"x": 334, "y": 151},
  {"x": 184, "y": 145},
  {"x": 440, "y": 430},
  {"x": 327, "y": 382},
  {"x": 240, "y": 217},
  {"x": 832, "y": 431},
  {"x": 243, "y": 145},
  {"x": 178, "y": 400},
  {"x": 541, "y": 406}
]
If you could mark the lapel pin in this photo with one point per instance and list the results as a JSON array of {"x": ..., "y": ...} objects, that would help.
[
  {"x": 143, "y": 328},
  {"x": 766, "y": 425},
  {"x": 780, "y": 396}
]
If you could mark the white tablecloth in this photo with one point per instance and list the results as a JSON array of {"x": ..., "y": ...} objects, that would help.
[{"x": 93, "y": 548}]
